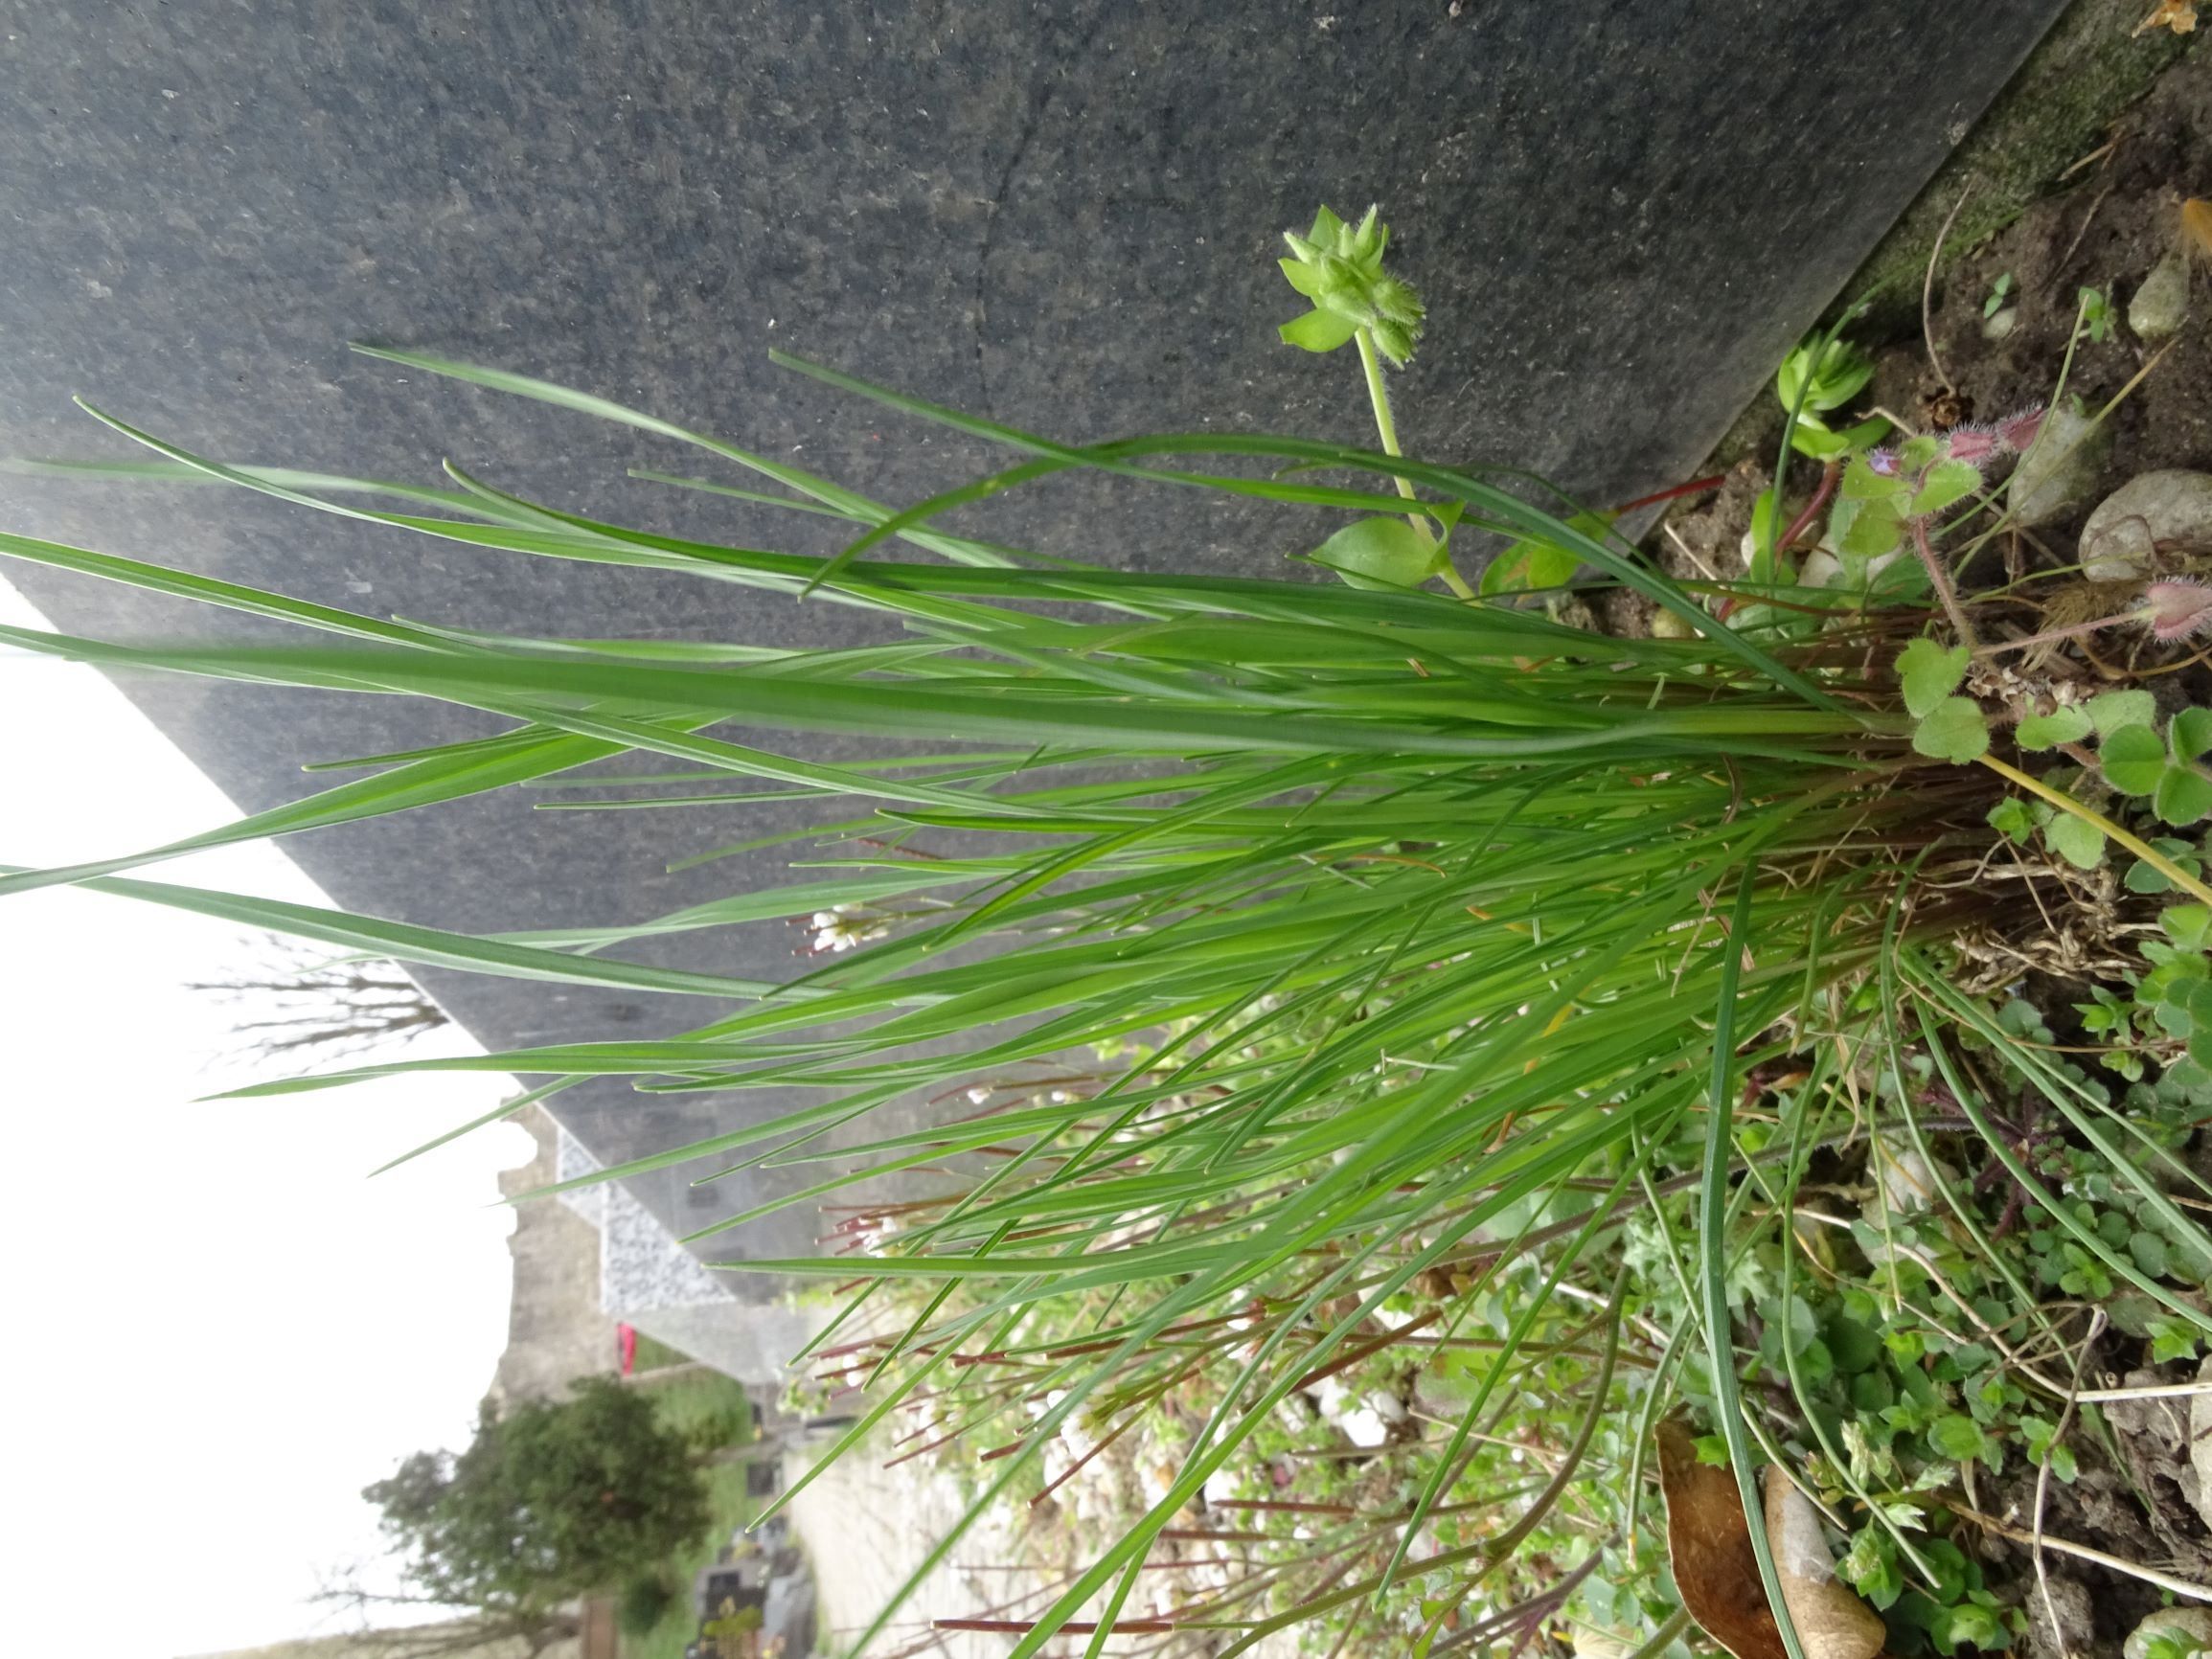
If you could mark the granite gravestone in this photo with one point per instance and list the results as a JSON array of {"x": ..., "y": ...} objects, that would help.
[{"x": 1063, "y": 216}]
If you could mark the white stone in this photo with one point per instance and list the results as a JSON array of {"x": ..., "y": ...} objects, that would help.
[{"x": 2166, "y": 515}]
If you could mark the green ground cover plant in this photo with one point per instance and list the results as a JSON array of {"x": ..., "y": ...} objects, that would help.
[{"x": 1377, "y": 990}]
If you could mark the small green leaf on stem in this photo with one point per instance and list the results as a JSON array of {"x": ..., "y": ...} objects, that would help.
[
  {"x": 2079, "y": 842},
  {"x": 2110, "y": 711},
  {"x": 2133, "y": 759},
  {"x": 1929, "y": 672},
  {"x": 1953, "y": 729},
  {"x": 1947, "y": 484},
  {"x": 2011, "y": 819},
  {"x": 2065, "y": 725},
  {"x": 1380, "y": 552},
  {"x": 2184, "y": 796}
]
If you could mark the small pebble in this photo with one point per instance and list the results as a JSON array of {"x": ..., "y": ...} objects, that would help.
[
  {"x": 2154, "y": 521},
  {"x": 2162, "y": 302}
]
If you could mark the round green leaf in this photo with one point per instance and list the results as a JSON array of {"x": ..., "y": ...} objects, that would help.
[
  {"x": 2184, "y": 796},
  {"x": 1875, "y": 529},
  {"x": 2133, "y": 759},
  {"x": 1928, "y": 674},
  {"x": 2011, "y": 819},
  {"x": 2080, "y": 844},
  {"x": 1862, "y": 483},
  {"x": 1953, "y": 731},
  {"x": 2110, "y": 711},
  {"x": 2187, "y": 925},
  {"x": 2190, "y": 732},
  {"x": 1318, "y": 330},
  {"x": 1954, "y": 1437},
  {"x": 2068, "y": 725}
]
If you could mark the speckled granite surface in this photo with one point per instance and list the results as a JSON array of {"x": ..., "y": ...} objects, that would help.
[{"x": 1058, "y": 215}]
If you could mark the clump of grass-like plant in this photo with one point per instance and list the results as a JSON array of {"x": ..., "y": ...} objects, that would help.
[{"x": 1450, "y": 953}]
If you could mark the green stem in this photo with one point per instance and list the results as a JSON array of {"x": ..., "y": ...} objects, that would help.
[
  {"x": 1379, "y": 394},
  {"x": 1385, "y": 428},
  {"x": 2140, "y": 847}
]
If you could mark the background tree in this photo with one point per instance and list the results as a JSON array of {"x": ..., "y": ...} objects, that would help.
[
  {"x": 523, "y": 1632},
  {"x": 553, "y": 1501},
  {"x": 296, "y": 1001}
]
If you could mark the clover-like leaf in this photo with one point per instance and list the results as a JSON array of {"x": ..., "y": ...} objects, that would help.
[
  {"x": 2144, "y": 877},
  {"x": 2110, "y": 711},
  {"x": 1947, "y": 484},
  {"x": 2184, "y": 796},
  {"x": 2063, "y": 725},
  {"x": 2190, "y": 732},
  {"x": 2188, "y": 925},
  {"x": 2076, "y": 840},
  {"x": 1380, "y": 552},
  {"x": 2011, "y": 819},
  {"x": 1929, "y": 672},
  {"x": 1953, "y": 729},
  {"x": 2133, "y": 759}
]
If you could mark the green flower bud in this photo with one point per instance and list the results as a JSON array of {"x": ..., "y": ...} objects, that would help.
[{"x": 1340, "y": 268}]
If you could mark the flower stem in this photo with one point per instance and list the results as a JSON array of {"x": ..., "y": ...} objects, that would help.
[
  {"x": 1385, "y": 428},
  {"x": 1829, "y": 474},
  {"x": 1943, "y": 589},
  {"x": 2048, "y": 635}
]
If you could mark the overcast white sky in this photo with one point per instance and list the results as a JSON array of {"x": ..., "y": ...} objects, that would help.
[{"x": 220, "y": 1329}]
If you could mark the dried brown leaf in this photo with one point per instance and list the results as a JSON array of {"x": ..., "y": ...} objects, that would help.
[{"x": 1709, "y": 1544}]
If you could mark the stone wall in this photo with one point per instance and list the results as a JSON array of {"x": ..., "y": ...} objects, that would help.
[{"x": 557, "y": 1327}]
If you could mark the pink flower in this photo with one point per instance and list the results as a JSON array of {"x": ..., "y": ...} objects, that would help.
[
  {"x": 2017, "y": 432},
  {"x": 2179, "y": 609},
  {"x": 1976, "y": 444}
]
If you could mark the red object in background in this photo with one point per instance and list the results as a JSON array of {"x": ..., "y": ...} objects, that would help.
[{"x": 626, "y": 1335}]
